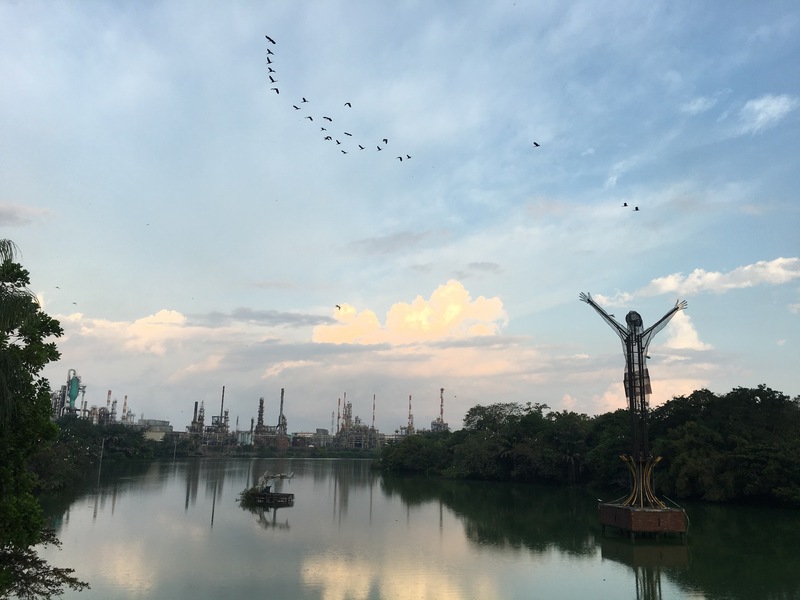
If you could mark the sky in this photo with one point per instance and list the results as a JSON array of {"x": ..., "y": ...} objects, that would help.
[{"x": 192, "y": 229}]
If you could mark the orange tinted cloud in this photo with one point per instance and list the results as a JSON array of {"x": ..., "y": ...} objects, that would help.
[{"x": 449, "y": 313}]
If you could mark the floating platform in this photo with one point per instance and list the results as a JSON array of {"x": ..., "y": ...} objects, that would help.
[
  {"x": 635, "y": 520},
  {"x": 273, "y": 499}
]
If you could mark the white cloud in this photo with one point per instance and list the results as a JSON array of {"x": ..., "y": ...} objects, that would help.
[
  {"x": 683, "y": 335},
  {"x": 698, "y": 105},
  {"x": 765, "y": 112},
  {"x": 774, "y": 272}
]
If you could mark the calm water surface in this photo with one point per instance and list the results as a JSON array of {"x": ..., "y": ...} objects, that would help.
[{"x": 175, "y": 530}]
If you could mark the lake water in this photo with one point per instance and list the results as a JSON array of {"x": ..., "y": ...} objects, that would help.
[{"x": 175, "y": 530}]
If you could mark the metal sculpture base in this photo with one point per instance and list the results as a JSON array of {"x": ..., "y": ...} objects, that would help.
[
  {"x": 642, "y": 511},
  {"x": 634, "y": 520}
]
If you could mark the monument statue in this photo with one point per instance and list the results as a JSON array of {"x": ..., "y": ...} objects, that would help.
[{"x": 635, "y": 341}]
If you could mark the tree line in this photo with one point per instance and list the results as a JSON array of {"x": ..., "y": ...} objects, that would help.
[{"x": 742, "y": 446}]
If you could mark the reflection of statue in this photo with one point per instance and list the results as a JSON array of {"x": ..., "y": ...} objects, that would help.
[
  {"x": 647, "y": 562},
  {"x": 635, "y": 341}
]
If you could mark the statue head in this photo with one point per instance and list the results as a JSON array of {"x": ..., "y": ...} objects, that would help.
[{"x": 634, "y": 320}]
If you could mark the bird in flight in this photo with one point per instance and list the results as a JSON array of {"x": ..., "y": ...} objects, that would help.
[
  {"x": 277, "y": 91},
  {"x": 379, "y": 148},
  {"x": 339, "y": 307},
  {"x": 269, "y": 39},
  {"x": 322, "y": 129},
  {"x": 327, "y": 137},
  {"x": 304, "y": 100},
  {"x": 360, "y": 147},
  {"x": 635, "y": 208},
  {"x": 310, "y": 118},
  {"x": 344, "y": 151},
  {"x": 269, "y": 60},
  {"x": 272, "y": 79},
  {"x": 270, "y": 52},
  {"x": 400, "y": 158},
  {"x": 385, "y": 141},
  {"x": 535, "y": 144},
  {"x": 327, "y": 118},
  {"x": 348, "y": 105},
  {"x": 350, "y": 134},
  {"x": 408, "y": 156},
  {"x": 624, "y": 204},
  {"x": 271, "y": 70},
  {"x": 295, "y": 107}
]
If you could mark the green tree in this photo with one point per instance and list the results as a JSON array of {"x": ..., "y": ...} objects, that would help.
[{"x": 24, "y": 415}]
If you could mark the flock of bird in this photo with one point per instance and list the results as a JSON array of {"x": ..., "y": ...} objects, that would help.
[
  {"x": 332, "y": 134},
  {"x": 329, "y": 133}
]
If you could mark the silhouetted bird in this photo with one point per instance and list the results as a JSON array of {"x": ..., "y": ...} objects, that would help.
[
  {"x": 295, "y": 107},
  {"x": 322, "y": 129},
  {"x": 360, "y": 147},
  {"x": 327, "y": 137},
  {"x": 339, "y": 307},
  {"x": 269, "y": 60},
  {"x": 400, "y": 158},
  {"x": 379, "y": 148},
  {"x": 385, "y": 141},
  {"x": 338, "y": 142},
  {"x": 271, "y": 70},
  {"x": 344, "y": 152},
  {"x": 624, "y": 204},
  {"x": 350, "y": 134},
  {"x": 310, "y": 118},
  {"x": 348, "y": 104},
  {"x": 327, "y": 118},
  {"x": 272, "y": 79},
  {"x": 277, "y": 91},
  {"x": 636, "y": 208},
  {"x": 408, "y": 156},
  {"x": 535, "y": 144},
  {"x": 270, "y": 39},
  {"x": 270, "y": 52},
  {"x": 304, "y": 100}
]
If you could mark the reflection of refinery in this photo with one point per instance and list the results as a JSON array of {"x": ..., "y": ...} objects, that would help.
[{"x": 347, "y": 430}]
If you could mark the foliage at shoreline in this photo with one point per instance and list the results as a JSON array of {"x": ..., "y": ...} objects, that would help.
[
  {"x": 25, "y": 425},
  {"x": 743, "y": 446}
]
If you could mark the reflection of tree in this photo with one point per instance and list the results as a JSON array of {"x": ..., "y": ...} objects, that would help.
[
  {"x": 723, "y": 538},
  {"x": 517, "y": 516}
]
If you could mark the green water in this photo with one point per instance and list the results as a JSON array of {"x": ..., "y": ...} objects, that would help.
[{"x": 175, "y": 530}]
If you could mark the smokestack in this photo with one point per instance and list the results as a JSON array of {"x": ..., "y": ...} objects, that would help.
[
  {"x": 222, "y": 406},
  {"x": 108, "y": 399},
  {"x": 441, "y": 405},
  {"x": 194, "y": 418}
]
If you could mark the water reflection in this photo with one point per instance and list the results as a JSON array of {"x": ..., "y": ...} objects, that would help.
[
  {"x": 647, "y": 559},
  {"x": 175, "y": 530}
]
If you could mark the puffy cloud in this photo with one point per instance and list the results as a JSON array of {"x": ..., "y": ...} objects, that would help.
[
  {"x": 449, "y": 313},
  {"x": 765, "y": 112},
  {"x": 683, "y": 335},
  {"x": 774, "y": 272}
]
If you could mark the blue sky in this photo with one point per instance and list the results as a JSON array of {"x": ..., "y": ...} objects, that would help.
[{"x": 191, "y": 229}]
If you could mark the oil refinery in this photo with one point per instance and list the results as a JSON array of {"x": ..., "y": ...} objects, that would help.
[{"x": 347, "y": 430}]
